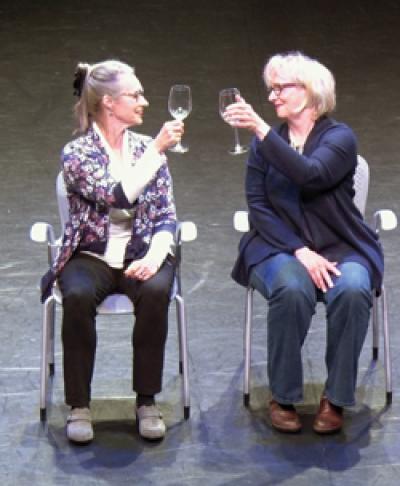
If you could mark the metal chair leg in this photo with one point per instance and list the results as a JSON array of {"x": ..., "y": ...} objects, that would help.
[
  {"x": 247, "y": 345},
  {"x": 51, "y": 317},
  {"x": 178, "y": 320},
  {"x": 386, "y": 345},
  {"x": 182, "y": 332},
  {"x": 375, "y": 327},
  {"x": 48, "y": 313}
]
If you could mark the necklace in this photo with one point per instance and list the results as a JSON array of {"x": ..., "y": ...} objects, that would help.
[
  {"x": 298, "y": 142},
  {"x": 296, "y": 146}
]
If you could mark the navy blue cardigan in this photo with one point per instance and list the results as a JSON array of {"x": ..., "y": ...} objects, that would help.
[{"x": 299, "y": 200}]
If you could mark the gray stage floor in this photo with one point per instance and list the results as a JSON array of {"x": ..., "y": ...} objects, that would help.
[{"x": 209, "y": 45}]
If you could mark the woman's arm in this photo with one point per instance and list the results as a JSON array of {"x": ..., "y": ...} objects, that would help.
[
  {"x": 160, "y": 246},
  {"x": 277, "y": 233},
  {"x": 84, "y": 171},
  {"x": 164, "y": 219},
  {"x": 146, "y": 167},
  {"x": 333, "y": 158},
  {"x": 263, "y": 216}
]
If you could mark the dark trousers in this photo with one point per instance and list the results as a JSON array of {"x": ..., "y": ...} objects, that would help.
[{"x": 85, "y": 282}]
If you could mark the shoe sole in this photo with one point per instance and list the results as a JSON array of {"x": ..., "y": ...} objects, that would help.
[
  {"x": 80, "y": 442},
  {"x": 287, "y": 431},
  {"x": 327, "y": 432}
]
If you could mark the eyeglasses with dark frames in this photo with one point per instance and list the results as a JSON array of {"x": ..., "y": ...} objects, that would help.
[{"x": 278, "y": 88}]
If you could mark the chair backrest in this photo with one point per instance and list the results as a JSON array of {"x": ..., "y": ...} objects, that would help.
[
  {"x": 361, "y": 184},
  {"x": 62, "y": 200}
]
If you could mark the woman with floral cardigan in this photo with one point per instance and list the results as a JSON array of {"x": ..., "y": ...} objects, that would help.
[{"x": 119, "y": 238}]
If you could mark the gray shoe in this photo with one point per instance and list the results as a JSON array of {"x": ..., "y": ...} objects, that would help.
[
  {"x": 79, "y": 426},
  {"x": 150, "y": 422}
]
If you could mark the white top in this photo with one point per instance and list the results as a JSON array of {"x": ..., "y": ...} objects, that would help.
[{"x": 133, "y": 175}]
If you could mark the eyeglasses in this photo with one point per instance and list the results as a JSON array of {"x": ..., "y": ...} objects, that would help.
[
  {"x": 135, "y": 96},
  {"x": 278, "y": 88}
]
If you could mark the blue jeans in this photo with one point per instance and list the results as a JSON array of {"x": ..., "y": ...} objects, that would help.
[{"x": 292, "y": 298}]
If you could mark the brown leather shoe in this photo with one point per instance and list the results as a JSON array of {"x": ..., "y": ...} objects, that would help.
[
  {"x": 329, "y": 418},
  {"x": 284, "y": 418}
]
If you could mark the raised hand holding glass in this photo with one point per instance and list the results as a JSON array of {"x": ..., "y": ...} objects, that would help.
[
  {"x": 179, "y": 106},
  {"x": 227, "y": 97}
]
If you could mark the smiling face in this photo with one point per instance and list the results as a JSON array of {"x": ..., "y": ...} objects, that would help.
[
  {"x": 299, "y": 86},
  {"x": 127, "y": 108},
  {"x": 288, "y": 97}
]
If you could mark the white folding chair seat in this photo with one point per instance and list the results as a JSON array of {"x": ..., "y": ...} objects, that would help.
[
  {"x": 115, "y": 304},
  {"x": 384, "y": 219}
]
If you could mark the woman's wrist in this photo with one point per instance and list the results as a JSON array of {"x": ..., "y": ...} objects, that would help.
[
  {"x": 158, "y": 146},
  {"x": 301, "y": 251},
  {"x": 262, "y": 129}
]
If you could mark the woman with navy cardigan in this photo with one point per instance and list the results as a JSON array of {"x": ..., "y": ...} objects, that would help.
[{"x": 307, "y": 240}]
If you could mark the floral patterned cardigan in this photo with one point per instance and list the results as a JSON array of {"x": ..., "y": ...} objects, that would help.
[{"x": 92, "y": 191}]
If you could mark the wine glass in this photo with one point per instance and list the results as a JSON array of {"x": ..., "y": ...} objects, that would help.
[
  {"x": 179, "y": 106},
  {"x": 227, "y": 97}
]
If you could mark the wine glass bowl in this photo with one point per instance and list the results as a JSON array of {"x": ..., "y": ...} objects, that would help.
[
  {"x": 179, "y": 107},
  {"x": 228, "y": 96}
]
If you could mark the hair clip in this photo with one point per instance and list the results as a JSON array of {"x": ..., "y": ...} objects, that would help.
[{"x": 79, "y": 79}]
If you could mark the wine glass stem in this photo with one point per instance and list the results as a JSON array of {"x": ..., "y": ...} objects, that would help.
[
  {"x": 178, "y": 146},
  {"x": 236, "y": 133}
]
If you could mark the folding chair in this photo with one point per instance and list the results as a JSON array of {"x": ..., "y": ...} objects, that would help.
[
  {"x": 114, "y": 304},
  {"x": 384, "y": 219}
]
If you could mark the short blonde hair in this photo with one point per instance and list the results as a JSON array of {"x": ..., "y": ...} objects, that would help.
[
  {"x": 314, "y": 76},
  {"x": 94, "y": 81}
]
